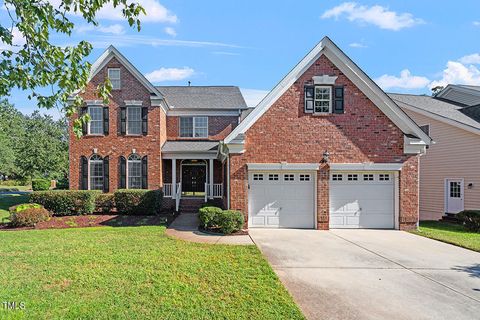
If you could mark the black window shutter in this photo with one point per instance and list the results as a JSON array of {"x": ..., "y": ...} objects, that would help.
[
  {"x": 106, "y": 120},
  {"x": 123, "y": 173},
  {"x": 84, "y": 173},
  {"x": 309, "y": 96},
  {"x": 123, "y": 120},
  {"x": 83, "y": 111},
  {"x": 145, "y": 121},
  {"x": 106, "y": 175},
  {"x": 144, "y": 173},
  {"x": 338, "y": 100}
]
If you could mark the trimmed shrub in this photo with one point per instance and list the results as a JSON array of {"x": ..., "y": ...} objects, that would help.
[
  {"x": 209, "y": 216},
  {"x": 62, "y": 184},
  {"x": 138, "y": 201},
  {"x": 40, "y": 184},
  {"x": 66, "y": 202},
  {"x": 470, "y": 219},
  {"x": 29, "y": 217},
  {"x": 23, "y": 206},
  {"x": 230, "y": 221},
  {"x": 105, "y": 203}
]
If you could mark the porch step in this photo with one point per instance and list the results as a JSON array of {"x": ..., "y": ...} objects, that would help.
[
  {"x": 190, "y": 205},
  {"x": 450, "y": 217}
]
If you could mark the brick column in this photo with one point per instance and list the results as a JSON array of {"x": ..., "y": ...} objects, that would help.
[{"x": 323, "y": 200}]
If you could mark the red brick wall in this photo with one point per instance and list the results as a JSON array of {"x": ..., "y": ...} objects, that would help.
[
  {"x": 218, "y": 127},
  {"x": 115, "y": 145},
  {"x": 285, "y": 133}
]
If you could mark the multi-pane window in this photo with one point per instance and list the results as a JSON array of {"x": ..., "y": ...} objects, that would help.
[
  {"x": 288, "y": 177},
  {"x": 134, "y": 177},
  {"x": 95, "y": 126},
  {"x": 258, "y": 177},
  {"x": 337, "y": 177},
  {"x": 384, "y": 177},
  {"x": 304, "y": 177},
  {"x": 352, "y": 177},
  {"x": 134, "y": 120},
  {"x": 368, "y": 177},
  {"x": 323, "y": 99},
  {"x": 114, "y": 76},
  {"x": 96, "y": 172},
  {"x": 455, "y": 189},
  {"x": 273, "y": 177},
  {"x": 194, "y": 127}
]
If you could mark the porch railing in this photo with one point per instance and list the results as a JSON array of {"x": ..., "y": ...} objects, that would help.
[
  {"x": 167, "y": 190},
  {"x": 217, "y": 190},
  {"x": 178, "y": 196}
]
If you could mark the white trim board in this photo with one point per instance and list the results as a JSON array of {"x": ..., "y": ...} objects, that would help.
[
  {"x": 353, "y": 72},
  {"x": 366, "y": 166},
  {"x": 284, "y": 166}
]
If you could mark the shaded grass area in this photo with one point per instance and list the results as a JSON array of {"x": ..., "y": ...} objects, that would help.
[
  {"x": 8, "y": 200},
  {"x": 135, "y": 273},
  {"x": 20, "y": 188},
  {"x": 451, "y": 233}
]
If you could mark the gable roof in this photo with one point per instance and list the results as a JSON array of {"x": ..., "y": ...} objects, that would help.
[
  {"x": 190, "y": 146},
  {"x": 464, "y": 94},
  {"x": 112, "y": 52},
  {"x": 353, "y": 72},
  {"x": 203, "y": 97},
  {"x": 467, "y": 118}
]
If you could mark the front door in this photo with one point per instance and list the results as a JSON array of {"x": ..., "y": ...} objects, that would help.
[
  {"x": 193, "y": 180},
  {"x": 454, "y": 195}
]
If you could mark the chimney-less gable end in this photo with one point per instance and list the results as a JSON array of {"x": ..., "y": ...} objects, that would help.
[{"x": 322, "y": 96}]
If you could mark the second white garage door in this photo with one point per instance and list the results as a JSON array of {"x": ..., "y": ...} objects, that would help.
[
  {"x": 362, "y": 200},
  {"x": 281, "y": 199}
]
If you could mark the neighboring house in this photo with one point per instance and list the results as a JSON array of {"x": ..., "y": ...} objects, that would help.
[
  {"x": 450, "y": 170},
  {"x": 326, "y": 148}
]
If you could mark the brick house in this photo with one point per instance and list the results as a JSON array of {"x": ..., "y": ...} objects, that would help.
[{"x": 326, "y": 148}]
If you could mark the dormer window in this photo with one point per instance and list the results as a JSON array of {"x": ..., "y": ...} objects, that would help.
[
  {"x": 194, "y": 127},
  {"x": 114, "y": 76}
]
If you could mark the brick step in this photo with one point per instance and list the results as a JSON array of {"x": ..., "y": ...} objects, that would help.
[{"x": 449, "y": 217}]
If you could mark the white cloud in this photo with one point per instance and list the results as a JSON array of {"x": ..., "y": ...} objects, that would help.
[
  {"x": 476, "y": 23},
  {"x": 17, "y": 40},
  {"x": 357, "y": 45},
  {"x": 170, "y": 74},
  {"x": 377, "y": 15},
  {"x": 116, "y": 29},
  {"x": 470, "y": 59},
  {"x": 170, "y": 31},
  {"x": 458, "y": 73},
  {"x": 225, "y": 53},
  {"x": 253, "y": 96},
  {"x": 405, "y": 81}
]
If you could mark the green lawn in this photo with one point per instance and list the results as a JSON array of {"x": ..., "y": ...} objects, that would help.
[
  {"x": 135, "y": 273},
  {"x": 450, "y": 233},
  {"x": 20, "y": 188},
  {"x": 8, "y": 200}
]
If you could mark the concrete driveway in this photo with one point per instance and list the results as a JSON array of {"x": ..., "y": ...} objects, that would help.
[{"x": 373, "y": 274}]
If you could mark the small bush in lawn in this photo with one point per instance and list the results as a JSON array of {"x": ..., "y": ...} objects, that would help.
[
  {"x": 66, "y": 202},
  {"x": 138, "y": 201},
  {"x": 29, "y": 217},
  {"x": 23, "y": 206},
  {"x": 40, "y": 184},
  {"x": 105, "y": 203},
  {"x": 209, "y": 216},
  {"x": 230, "y": 221},
  {"x": 470, "y": 219}
]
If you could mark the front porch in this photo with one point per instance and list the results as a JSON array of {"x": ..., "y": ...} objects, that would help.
[{"x": 201, "y": 178}]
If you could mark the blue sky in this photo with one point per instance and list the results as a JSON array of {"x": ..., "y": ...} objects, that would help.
[{"x": 406, "y": 46}]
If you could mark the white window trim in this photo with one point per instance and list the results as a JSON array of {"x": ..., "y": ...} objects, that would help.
[
  {"x": 193, "y": 128},
  {"x": 88, "y": 124},
  {"x": 119, "y": 77},
  {"x": 127, "y": 185},
  {"x": 126, "y": 120},
  {"x": 89, "y": 173},
  {"x": 315, "y": 99}
]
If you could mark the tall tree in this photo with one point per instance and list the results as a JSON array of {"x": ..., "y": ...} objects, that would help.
[
  {"x": 11, "y": 129},
  {"x": 40, "y": 64}
]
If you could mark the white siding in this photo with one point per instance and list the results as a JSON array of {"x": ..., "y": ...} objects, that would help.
[{"x": 456, "y": 154}]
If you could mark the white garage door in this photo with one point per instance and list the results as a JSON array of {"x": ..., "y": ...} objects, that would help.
[
  {"x": 281, "y": 199},
  {"x": 362, "y": 200}
]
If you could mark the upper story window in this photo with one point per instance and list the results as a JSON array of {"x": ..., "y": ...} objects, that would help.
[
  {"x": 134, "y": 120},
  {"x": 95, "y": 125},
  {"x": 114, "y": 76},
  {"x": 194, "y": 127},
  {"x": 323, "y": 99}
]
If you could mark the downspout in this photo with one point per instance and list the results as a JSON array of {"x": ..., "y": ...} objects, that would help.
[{"x": 224, "y": 154}]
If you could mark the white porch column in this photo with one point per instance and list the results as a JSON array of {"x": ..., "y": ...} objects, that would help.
[
  {"x": 210, "y": 179},
  {"x": 174, "y": 178}
]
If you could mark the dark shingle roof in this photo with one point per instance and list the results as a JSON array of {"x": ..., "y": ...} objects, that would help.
[
  {"x": 438, "y": 107},
  {"x": 203, "y": 97},
  {"x": 190, "y": 146}
]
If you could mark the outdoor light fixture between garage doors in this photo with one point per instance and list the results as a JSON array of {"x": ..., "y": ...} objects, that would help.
[{"x": 326, "y": 154}]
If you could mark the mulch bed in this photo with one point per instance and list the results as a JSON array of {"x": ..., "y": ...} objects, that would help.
[{"x": 97, "y": 221}]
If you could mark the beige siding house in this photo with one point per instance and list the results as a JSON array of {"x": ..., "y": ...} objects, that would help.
[{"x": 450, "y": 170}]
